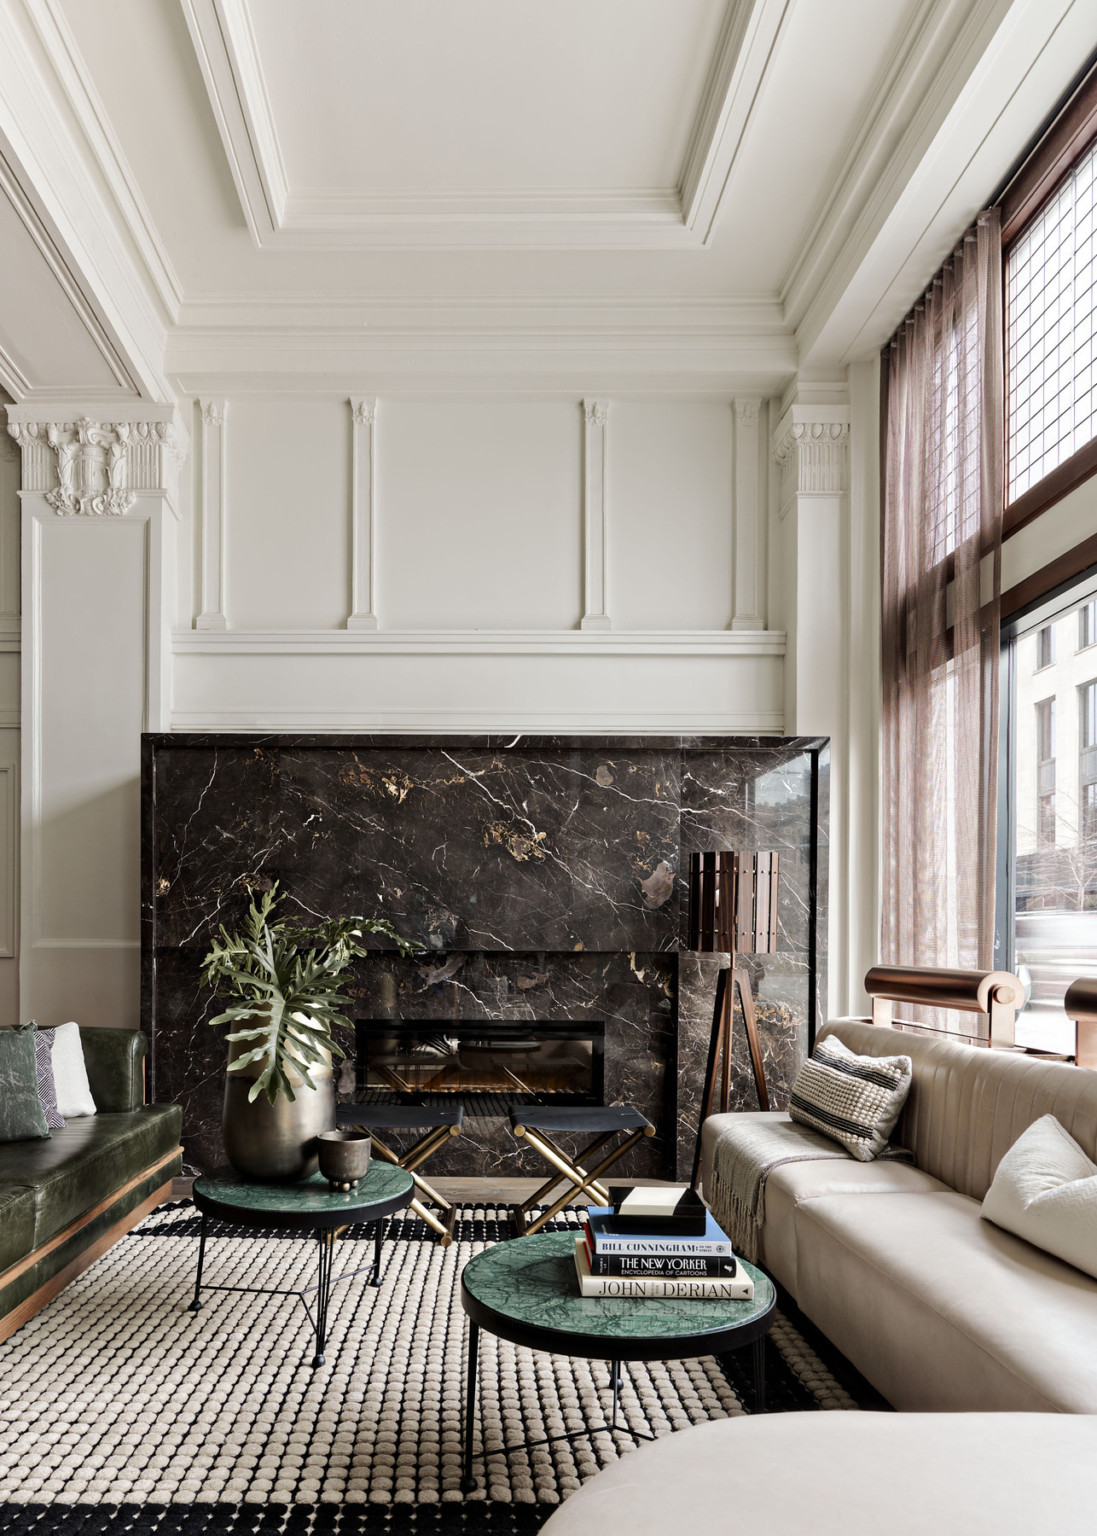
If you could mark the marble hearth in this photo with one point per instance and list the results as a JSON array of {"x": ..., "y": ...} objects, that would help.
[{"x": 542, "y": 878}]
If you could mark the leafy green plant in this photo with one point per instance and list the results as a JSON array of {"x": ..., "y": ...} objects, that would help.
[{"x": 288, "y": 982}]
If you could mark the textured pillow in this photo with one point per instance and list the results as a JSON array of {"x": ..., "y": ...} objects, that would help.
[
  {"x": 47, "y": 1090},
  {"x": 855, "y": 1100},
  {"x": 1045, "y": 1190},
  {"x": 70, "y": 1075},
  {"x": 21, "y": 1117}
]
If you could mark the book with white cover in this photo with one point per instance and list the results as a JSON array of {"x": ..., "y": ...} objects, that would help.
[{"x": 628, "y": 1288}]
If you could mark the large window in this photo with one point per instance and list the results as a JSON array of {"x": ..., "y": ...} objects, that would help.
[
  {"x": 1047, "y": 893},
  {"x": 1051, "y": 287}
]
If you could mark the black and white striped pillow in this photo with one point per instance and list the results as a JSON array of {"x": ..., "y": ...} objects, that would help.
[
  {"x": 47, "y": 1089},
  {"x": 855, "y": 1100}
]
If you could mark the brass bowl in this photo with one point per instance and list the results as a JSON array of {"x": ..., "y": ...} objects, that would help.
[{"x": 344, "y": 1157}]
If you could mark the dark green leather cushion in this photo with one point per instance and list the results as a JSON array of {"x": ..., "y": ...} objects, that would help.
[
  {"x": 87, "y": 1162},
  {"x": 114, "y": 1059},
  {"x": 21, "y": 1114},
  {"x": 16, "y": 1223}
]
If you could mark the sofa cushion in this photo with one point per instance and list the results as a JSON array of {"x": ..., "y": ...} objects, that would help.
[
  {"x": 855, "y": 1100},
  {"x": 788, "y": 1186},
  {"x": 1045, "y": 1191},
  {"x": 967, "y": 1105},
  {"x": 828, "y": 1474},
  {"x": 87, "y": 1162},
  {"x": 942, "y": 1311},
  {"x": 16, "y": 1223}
]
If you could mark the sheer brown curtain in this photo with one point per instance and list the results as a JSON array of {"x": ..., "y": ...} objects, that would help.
[{"x": 942, "y": 532}]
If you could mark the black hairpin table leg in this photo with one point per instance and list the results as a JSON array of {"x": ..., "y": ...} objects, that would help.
[
  {"x": 760, "y": 1374},
  {"x": 197, "y": 1302},
  {"x": 468, "y": 1482}
]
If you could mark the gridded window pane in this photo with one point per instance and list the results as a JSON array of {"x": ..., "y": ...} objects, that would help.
[{"x": 1052, "y": 290}]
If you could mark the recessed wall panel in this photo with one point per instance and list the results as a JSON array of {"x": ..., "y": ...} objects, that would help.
[
  {"x": 478, "y": 515},
  {"x": 669, "y": 515},
  {"x": 287, "y": 514}
]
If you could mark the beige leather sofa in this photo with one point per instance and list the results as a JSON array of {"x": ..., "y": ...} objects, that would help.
[
  {"x": 938, "y": 1309},
  {"x": 830, "y": 1474}
]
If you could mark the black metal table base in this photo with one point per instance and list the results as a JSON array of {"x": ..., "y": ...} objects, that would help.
[
  {"x": 325, "y": 1238},
  {"x": 614, "y": 1427}
]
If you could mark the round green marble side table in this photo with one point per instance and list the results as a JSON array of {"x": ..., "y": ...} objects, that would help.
[
  {"x": 311, "y": 1206},
  {"x": 526, "y": 1291}
]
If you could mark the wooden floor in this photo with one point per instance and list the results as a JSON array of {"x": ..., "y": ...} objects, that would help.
[{"x": 505, "y": 1191}]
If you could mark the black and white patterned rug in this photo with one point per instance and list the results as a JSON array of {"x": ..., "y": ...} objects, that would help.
[{"x": 122, "y": 1411}]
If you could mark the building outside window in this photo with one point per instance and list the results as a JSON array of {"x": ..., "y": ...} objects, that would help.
[
  {"x": 1045, "y": 647},
  {"x": 1045, "y": 766}
]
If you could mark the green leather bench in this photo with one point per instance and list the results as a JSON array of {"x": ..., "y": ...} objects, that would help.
[{"x": 64, "y": 1201}]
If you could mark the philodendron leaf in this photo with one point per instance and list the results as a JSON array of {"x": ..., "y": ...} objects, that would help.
[{"x": 284, "y": 982}]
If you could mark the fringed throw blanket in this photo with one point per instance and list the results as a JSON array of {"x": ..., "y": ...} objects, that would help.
[{"x": 742, "y": 1162}]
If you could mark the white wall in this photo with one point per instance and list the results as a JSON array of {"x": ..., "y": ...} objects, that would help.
[{"x": 484, "y": 520}]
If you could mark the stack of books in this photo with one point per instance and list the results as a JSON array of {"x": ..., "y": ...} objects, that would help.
[{"x": 658, "y": 1243}]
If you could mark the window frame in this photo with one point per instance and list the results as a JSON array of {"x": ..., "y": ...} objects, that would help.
[
  {"x": 1071, "y": 137},
  {"x": 1047, "y": 608}
]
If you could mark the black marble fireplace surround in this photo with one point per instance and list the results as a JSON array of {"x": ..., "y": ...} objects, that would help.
[{"x": 544, "y": 878}]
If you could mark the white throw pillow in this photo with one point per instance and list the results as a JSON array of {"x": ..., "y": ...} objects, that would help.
[
  {"x": 1045, "y": 1190},
  {"x": 70, "y": 1075}
]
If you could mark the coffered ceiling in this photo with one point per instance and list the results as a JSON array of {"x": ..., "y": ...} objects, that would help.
[{"x": 632, "y": 193}]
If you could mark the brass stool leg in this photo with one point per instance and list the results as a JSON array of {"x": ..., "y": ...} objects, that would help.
[
  {"x": 581, "y": 1181},
  {"x": 425, "y": 1147}
]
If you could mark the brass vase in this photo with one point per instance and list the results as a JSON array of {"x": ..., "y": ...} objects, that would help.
[{"x": 276, "y": 1143}]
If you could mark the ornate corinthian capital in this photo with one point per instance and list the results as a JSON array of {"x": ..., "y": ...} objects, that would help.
[
  {"x": 811, "y": 448},
  {"x": 94, "y": 468}
]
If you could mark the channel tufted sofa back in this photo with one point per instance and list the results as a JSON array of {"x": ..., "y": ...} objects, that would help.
[{"x": 968, "y": 1105}]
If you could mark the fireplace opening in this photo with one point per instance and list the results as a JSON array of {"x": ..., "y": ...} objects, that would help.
[{"x": 489, "y": 1068}]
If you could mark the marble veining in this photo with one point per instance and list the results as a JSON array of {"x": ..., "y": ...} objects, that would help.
[
  {"x": 543, "y": 878},
  {"x": 533, "y": 1281}
]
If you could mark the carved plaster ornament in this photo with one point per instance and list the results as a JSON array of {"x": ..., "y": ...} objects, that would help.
[
  {"x": 363, "y": 412},
  {"x": 595, "y": 411},
  {"x": 91, "y": 469}
]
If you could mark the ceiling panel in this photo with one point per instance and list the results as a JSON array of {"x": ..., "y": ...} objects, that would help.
[{"x": 487, "y": 95}]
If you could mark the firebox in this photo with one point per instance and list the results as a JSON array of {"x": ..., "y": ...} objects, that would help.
[{"x": 488, "y": 1068}]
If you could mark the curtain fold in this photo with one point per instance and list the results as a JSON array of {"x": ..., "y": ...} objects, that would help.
[{"x": 941, "y": 581}]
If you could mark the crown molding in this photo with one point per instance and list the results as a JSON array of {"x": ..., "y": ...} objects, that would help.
[
  {"x": 318, "y": 218},
  {"x": 953, "y": 110},
  {"x": 55, "y": 183},
  {"x": 103, "y": 147},
  {"x": 748, "y": 38}
]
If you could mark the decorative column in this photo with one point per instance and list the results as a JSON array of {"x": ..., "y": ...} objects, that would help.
[
  {"x": 212, "y": 614},
  {"x": 98, "y": 510},
  {"x": 363, "y": 602},
  {"x": 595, "y": 602},
  {"x": 811, "y": 450},
  {"x": 750, "y": 523}
]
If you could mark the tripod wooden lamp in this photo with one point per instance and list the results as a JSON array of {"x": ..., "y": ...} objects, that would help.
[{"x": 732, "y": 911}]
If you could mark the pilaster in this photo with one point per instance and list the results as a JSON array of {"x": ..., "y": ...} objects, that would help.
[
  {"x": 363, "y": 598},
  {"x": 98, "y": 513},
  {"x": 212, "y": 613},
  {"x": 749, "y": 518},
  {"x": 595, "y": 596}
]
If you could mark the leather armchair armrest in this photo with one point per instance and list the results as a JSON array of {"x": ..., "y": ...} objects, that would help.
[{"x": 114, "y": 1059}]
